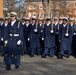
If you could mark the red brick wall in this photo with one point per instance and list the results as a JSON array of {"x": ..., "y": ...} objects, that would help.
[{"x": 1, "y": 8}]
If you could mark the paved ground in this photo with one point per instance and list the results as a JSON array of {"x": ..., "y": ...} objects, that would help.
[{"x": 42, "y": 66}]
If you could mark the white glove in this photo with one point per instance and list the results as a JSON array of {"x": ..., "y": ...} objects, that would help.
[
  {"x": 41, "y": 30},
  {"x": 42, "y": 38},
  {"x": 28, "y": 39},
  {"x": 51, "y": 31},
  {"x": 74, "y": 33},
  {"x": 66, "y": 34},
  {"x": 1, "y": 39},
  {"x": 59, "y": 40},
  {"x": 19, "y": 42},
  {"x": 35, "y": 30},
  {"x": 6, "y": 42}
]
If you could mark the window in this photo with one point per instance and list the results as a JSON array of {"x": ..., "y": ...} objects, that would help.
[
  {"x": 34, "y": 13},
  {"x": 51, "y": 5},
  {"x": 40, "y": 6},
  {"x": 40, "y": 14},
  {"x": 57, "y": 6},
  {"x": 68, "y": 4},
  {"x": 75, "y": 12},
  {"x": 30, "y": 14},
  {"x": 32, "y": 6},
  {"x": 75, "y": 4}
]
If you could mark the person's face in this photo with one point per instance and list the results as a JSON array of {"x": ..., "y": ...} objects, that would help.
[
  {"x": 13, "y": 18},
  {"x": 64, "y": 21},
  {"x": 55, "y": 21},
  {"x": 6, "y": 21},
  {"x": 60, "y": 21},
  {"x": 33, "y": 21},
  {"x": 71, "y": 22},
  {"x": 23, "y": 20},
  {"x": 40, "y": 22},
  {"x": 0, "y": 21},
  {"x": 48, "y": 21},
  {"x": 27, "y": 22}
]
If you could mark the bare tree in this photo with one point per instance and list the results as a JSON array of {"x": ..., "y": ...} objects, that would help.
[
  {"x": 46, "y": 7},
  {"x": 15, "y": 6}
]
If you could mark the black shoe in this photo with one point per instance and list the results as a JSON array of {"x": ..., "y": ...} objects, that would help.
[
  {"x": 60, "y": 56},
  {"x": 16, "y": 67},
  {"x": 67, "y": 56},
  {"x": 43, "y": 56},
  {"x": 51, "y": 56},
  {"x": 31, "y": 55},
  {"x": 8, "y": 68}
]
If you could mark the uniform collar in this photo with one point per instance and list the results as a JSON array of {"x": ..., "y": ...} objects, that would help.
[
  {"x": 64, "y": 24},
  {"x": 27, "y": 24},
  {"x": 12, "y": 22},
  {"x": 56, "y": 23},
  {"x": 6, "y": 24},
  {"x": 72, "y": 24},
  {"x": 40, "y": 25},
  {"x": 33, "y": 24},
  {"x": 48, "y": 24},
  {"x": 23, "y": 23}
]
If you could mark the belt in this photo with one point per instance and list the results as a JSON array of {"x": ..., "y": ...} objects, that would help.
[
  {"x": 13, "y": 34},
  {"x": 16, "y": 34}
]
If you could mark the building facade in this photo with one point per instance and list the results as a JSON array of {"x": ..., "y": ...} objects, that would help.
[
  {"x": 35, "y": 8},
  {"x": 1, "y": 8}
]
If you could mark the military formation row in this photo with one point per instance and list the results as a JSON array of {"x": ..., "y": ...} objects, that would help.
[{"x": 32, "y": 36}]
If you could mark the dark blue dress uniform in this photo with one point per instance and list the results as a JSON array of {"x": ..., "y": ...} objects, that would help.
[
  {"x": 72, "y": 33},
  {"x": 34, "y": 38},
  {"x": 13, "y": 49},
  {"x": 57, "y": 38},
  {"x": 41, "y": 41},
  {"x": 1, "y": 38},
  {"x": 24, "y": 39},
  {"x": 49, "y": 40},
  {"x": 65, "y": 43},
  {"x": 5, "y": 37},
  {"x": 74, "y": 41}
]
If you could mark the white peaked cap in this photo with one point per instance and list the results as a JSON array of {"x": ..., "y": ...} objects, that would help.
[
  {"x": 65, "y": 18},
  {"x": 13, "y": 14}
]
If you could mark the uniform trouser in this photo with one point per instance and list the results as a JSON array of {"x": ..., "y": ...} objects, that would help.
[
  {"x": 42, "y": 46},
  {"x": 51, "y": 50},
  {"x": 1, "y": 46},
  {"x": 33, "y": 50},
  {"x": 57, "y": 43},
  {"x": 24, "y": 46},
  {"x": 27, "y": 47},
  {"x": 9, "y": 59},
  {"x": 67, "y": 52}
]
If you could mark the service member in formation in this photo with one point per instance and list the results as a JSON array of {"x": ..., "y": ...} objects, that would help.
[
  {"x": 49, "y": 38},
  {"x": 74, "y": 40},
  {"x": 13, "y": 44},
  {"x": 5, "y": 34},
  {"x": 71, "y": 21},
  {"x": 1, "y": 35},
  {"x": 64, "y": 38},
  {"x": 57, "y": 24},
  {"x": 23, "y": 52},
  {"x": 56, "y": 35},
  {"x": 34, "y": 37},
  {"x": 40, "y": 22},
  {"x": 27, "y": 23}
]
